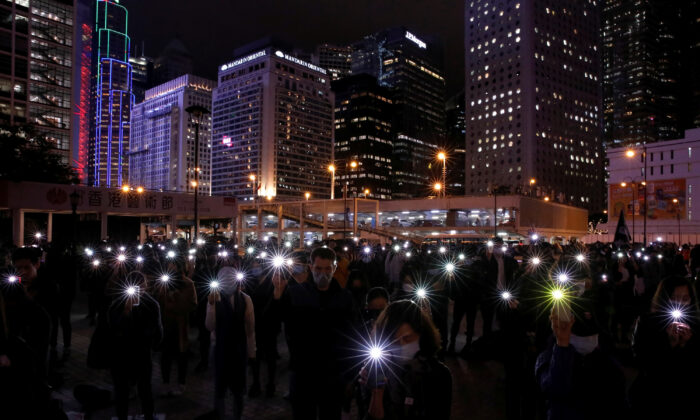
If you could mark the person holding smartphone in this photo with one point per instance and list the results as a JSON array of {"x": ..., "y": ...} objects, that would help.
[
  {"x": 135, "y": 330},
  {"x": 578, "y": 378},
  {"x": 666, "y": 347},
  {"x": 408, "y": 382}
]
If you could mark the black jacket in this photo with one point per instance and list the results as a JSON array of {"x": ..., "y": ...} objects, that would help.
[{"x": 317, "y": 325}]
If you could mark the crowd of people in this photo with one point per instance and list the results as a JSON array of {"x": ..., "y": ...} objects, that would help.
[{"x": 369, "y": 328}]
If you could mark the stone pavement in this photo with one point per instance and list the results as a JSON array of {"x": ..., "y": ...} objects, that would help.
[{"x": 478, "y": 386}]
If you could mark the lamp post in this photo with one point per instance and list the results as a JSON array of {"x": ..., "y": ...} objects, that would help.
[
  {"x": 443, "y": 157},
  {"x": 678, "y": 216},
  {"x": 197, "y": 112},
  {"x": 533, "y": 181},
  {"x": 253, "y": 178},
  {"x": 331, "y": 168},
  {"x": 438, "y": 189},
  {"x": 74, "y": 201},
  {"x": 630, "y": 154}
]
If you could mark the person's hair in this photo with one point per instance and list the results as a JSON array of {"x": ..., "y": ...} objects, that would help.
[
  {"x": 377, "y": 292},
  {"x": 663, "y": 294},
  {"x": 357, "y": 275},
  {"x": 322, "y": 253},
  {"x": 31, "y": 254},
  {"x": 408, "y": 312}
]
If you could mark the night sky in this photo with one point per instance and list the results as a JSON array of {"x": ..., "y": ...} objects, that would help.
[{"x": 211, "y": 29}]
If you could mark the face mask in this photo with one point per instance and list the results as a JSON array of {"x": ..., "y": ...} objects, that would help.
[
  {"x": 322, "y": 280},
  {"x": 298, "y": 269},
  {"x": 366, "y": 258},
  {"x": 584, "y": 345},
  {"x": 256, "y": 271},
  {"x": 407, "y": 352},
  {"x": 372, "y": 314}
]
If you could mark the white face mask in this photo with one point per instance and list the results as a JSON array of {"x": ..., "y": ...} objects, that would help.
[
  {"x": 408, "y": 351},
  {"x": 322, "y": 280},
  {"x": 584, "y": 345}
]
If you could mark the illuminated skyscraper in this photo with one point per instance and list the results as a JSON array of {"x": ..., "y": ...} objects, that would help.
[
  {"x": 113, "y": 99},
  {"x": 651, "y": 64},
  {"x": 411, "y": 67},
  {"x": 272, "y": 118},
  {"x": 36, "y": 61},
  {"x": 533, "y": 100},
  {"x": 337, "y": 60},
  {"x": 364, "y": 135},
  {"x": 161, "y": 155}
]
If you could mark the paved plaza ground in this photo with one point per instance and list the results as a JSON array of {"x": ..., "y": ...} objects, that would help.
[{"x": 478, "y": 386}]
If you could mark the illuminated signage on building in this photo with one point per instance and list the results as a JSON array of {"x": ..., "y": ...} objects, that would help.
[
  {"x": 300, "y": 62},
  {"x": 227, "y": 141},
  {"x": 415, "y": 39},
  {"x": 242, "y": 60}
]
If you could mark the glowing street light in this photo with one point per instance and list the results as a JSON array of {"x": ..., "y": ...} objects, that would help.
[
  {"x": 442, "y": 156},
  {"x": 307, "y": 195},
  {"x": 505, "y": 295},
  {"x": 139, "y": 189},
  {"x": 126, "y": 188}
]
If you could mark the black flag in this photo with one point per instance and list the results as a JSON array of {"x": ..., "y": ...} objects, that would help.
[{"x": 622, "y": 234}]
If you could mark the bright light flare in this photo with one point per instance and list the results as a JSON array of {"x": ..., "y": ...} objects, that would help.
[
  {"x": 95, "y": 263},
  {"x": 534, "y": 237},
  {"x": 38, "y": 235},
  {"x": 421, "y": 293},
  {"x": 165, "y": 278},
  {"x": 442, "y": 250},
  {"x": 214, "y": 285},
  {"x": 397, "y": 248},
  {"x": 171, "y": 254},
  {"x": 89, "y": 252},
  {"x": 505, "y": 295},
  {"x": 367, "y": 250},
  {"x": 12, "y": 278},
  {"x": 558, "y": 294},
  {"x": 278, "y": 261},
  {"x": 535, "y": 261},
  {"x": 121, "y": 258},
  {"x": 489, "y": 244},
  {"x": 461, "y": 257},
  {"x": 287, "y": 244},
  {"x": 240, "y": 276},
  {"x": 376, "y": 353},
  {"x": 562, "y": 277},
  {"x": 449, "y": 268},
  {"x": 580, "y": 258},
  {"x": 250, "y": 250}
]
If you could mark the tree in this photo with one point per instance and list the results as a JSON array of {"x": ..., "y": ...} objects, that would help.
[{"x": 27, "y": 156}]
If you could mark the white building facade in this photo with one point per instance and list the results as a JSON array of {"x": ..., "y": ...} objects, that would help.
[
  {"x": 672, "y": 179},
  {"x": 272, "y": 128},
  {"x": 162, "y": 155}
]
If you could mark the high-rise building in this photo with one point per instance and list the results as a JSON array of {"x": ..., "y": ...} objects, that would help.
[
  {"x": 533, "y": 101},
  {"x": 173, "y": 62},
  {"x": 162, "y": 149},
  {"x": 363, "y": 137},
  {"x": 641, "y": 54},
  {"x": 337, "y": 60},
  {"x": 272, "y": 118},
  {"x": 455, "y": 128},
  {"x": 141, "y": 76},
  {"x": 411, "y": 67},
  {"x": 113, "y": 100},
  {"x": 690, "y": 63},
  {"x": 36, "y": 61}
]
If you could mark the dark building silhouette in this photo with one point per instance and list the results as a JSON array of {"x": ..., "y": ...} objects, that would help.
[
  {"x": 364, "y": 135},
  {"x": 411, "y": 67}
]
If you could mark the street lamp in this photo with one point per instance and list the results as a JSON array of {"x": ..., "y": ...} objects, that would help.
[
  {"x": 366, "y": 192},
  {"x": 438, "y": 188},
  {"x": 74, "y": 201},
  {"x": 139, "y": 190},
  {"x": 307, "y": 195},
  {"x": 443, "y": 157},
  {"x": 678, "y": 216},
  {"x": 533, "y": 181},
  {"x": 197, "y": 112},
  {"x": 331, "y": 168},
  {"x": 631, "y": 154},
  {"x": 126, "y": 188},
  {"x": 253, "y": 178}
]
